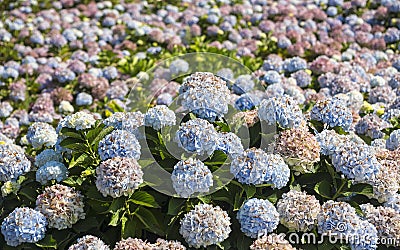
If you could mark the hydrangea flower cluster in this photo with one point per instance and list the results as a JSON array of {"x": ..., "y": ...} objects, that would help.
[
  {"x": 51, "y": 170},
  {"x": 298, "y": 210},
  {"x": 159, "y": 116},
  {"x": 393, "y": 142},
  {"x": 205, "y": 95},
  {"x": 271, "y": 242},
  {"x": 119, "y": 143},
  {"x": 129, "y": 121},
  {"x": 254, "y": 166},
  {"x": 41, "y": 134},
  {"x": 62, "y": 206},
  {"x": 205, "y": 225},
  {"x": 333, "y": 113},
  {"x": 257, "y": 217},
  {"x": 299, "y": 148},
  {"x": 230, "y": 144},
  {"x": 162, "y": 244},
  {"x": 282, "y": 110},
  {"x": 118, "y": 176},
  {"x": 132, "y": 244},
  {"x": 13, "y": 162},
  {"x": 191, "y": 176},
  {"x": 340, "y": 220},
  {"x": 89, "y": 242},
  {"x": 79, "y": 121},
  {"x": 197, "y": 136},
  {"x": 46, "y": 156},
  {"x": 23, "y": 225},
  {"x": 371, "y": 125}
]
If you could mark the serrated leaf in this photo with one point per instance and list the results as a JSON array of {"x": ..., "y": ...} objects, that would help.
[
  {"x": 144, "y": 199},
  {"x": 323, "y": 188},
  {"x": 149, "y": 220},
  {"x": 91, "y": 134},
  {"x": 175, "y": 205},
  {"x": 83, "y": 158},
  {"x": 69, "y": 140},
  {"x": 101, "y": 135}
]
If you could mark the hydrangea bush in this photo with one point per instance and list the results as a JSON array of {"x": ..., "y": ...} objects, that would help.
[{"x": 200, "y": 124}]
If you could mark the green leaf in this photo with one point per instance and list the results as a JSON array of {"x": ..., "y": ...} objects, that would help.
[
  {"x": 70, "y": 141},
  {"x": 91, "y": 134},
  {"x": 175, "y": 206},
  {"x": 85, "y": 225},
  {"x": 144, "y": 199},
  {"x": 101, "y": 135},
  {"x": 250, "y": 190},
  {"x": 323, "y": 188},
  {"x": 223, "y": 126},
  {"x": 47, "y": 242},
  {"x": 149, "y": 220},
  {"x": 82, "y": 159},
  {"x": 74, "y": 135},
  {"x": 115, "y": 218},
  {"x": 360, "y": 188}
]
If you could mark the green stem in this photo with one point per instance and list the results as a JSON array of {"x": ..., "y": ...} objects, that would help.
[{"x": 338, "y": 192}]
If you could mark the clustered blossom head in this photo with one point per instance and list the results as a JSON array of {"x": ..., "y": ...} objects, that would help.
[
  {"x": 298, "y": 210},
  {"x": 129, "y": 121},
  {"x": 191, "y": 176},
  {"x": 371, "y": 125},
  {"x": 162, "y": 244},
  {"x": 356, "y": 162},
  {"x": 257, "y": 217},
  {"x": 89, "y": 242},
  {"x": 340, "y": 220},
  {"x": 13, "y": 162},
  {"x": 41, "y": 134},
  {"x": 118, "y": 176},
  {"x": 271, "y": 242},
  {"x": 62, "y": 206},
  {"x": 133, "y": 244},
  {"x": 282, "y": 110},
  {"x": 197, "y": 136},
  {"x": 393, "y": 202},
  {"x": 205, "y": 225},
  {"x": 254, "y": 166},
  {"x": 159, "y": 116},
  {"x": 299, "y": 148},
  {"x": 205, "y": 95},
  {"x": 23, "y": 225},
  {"x": 46, "y": 156},
  {"x": 393, "y": 142},
  {"x": 119, "y": 143},
  {"x": 385, "y": 219},
  {"x": 51, "y": 170},
  {"x": 333, "y": 113},
  {"x": 230, "y": 144},
  {"x": 79, "y": 121}
]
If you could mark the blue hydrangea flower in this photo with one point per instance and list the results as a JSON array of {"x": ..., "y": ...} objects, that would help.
[
  {"x": 271, "y": 77},
  {"x": 283, "y": 42},
  {"x": 23, "y": 225},
  {"x": 129, "y": 121},
  {"x": 110, "y": 72},
  {"x": 178, "y": 66},
  {"x": 79, "y": 121},
  {"x": 197, "y": 136},
  {"x": 205, "y": 95},
  {"x": 243, "y": 84},
  {"x": 5, "y": 109},
  {"x": 64, "y": 75},
  {"x": 191, "y": 176},
  {"x": 282, "y": 110},
  {"x": 118, "y": 176},
  {"x": 355, "y": 161},
  {"x": 365, "y": 237},
  {"x": 165, "y": 99},
  {"x": 393, "y": 142},
  {"x": 51, "y": 170},
  {"x": 246, "y": 102},
  {"x": 13, "y": 162},
  {"x": 294, "y": 64},
  {"x": 332, "y": 112},
  {"x": 371, "y": 125},
  {"x": 83, "y": 99},
  {"x": 119, "y": 143},
  {"x": 230, "y": 144},
  {"x": 46, "y": 156},
  {"x": 159, "y": 116},
  {"x": 257, "y": 217},
  {"x": 89, "y": 242},
  {"x": 329, "y": 141},
  {"x": 393, "y": 202},
  {"x": 303, "y": 79},
  {"x": 205, "y": 225},
  {"x": 41, "y": 134},
  {"x": 254, "y": 166}
]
